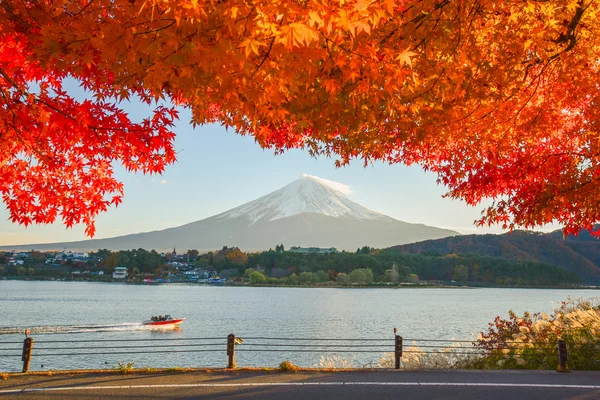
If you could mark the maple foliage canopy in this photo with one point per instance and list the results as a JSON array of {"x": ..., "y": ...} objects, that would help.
[{"x": 499, "y": 98}]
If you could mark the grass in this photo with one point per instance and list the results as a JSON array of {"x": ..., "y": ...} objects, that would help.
[
  {"x": 124, "y": 368},
  {"x": 176, "y": 369},
  {"x": 288, "y": 366}
]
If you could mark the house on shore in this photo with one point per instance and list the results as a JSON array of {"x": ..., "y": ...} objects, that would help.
[
  {"x": 120, "y": 273},
  {"x": 313, "y": 250}
]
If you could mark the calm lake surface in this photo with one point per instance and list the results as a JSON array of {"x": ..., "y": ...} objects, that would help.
[{"x": 68, "y": 311}]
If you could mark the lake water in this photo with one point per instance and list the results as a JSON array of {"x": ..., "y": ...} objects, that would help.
[{"x": 69, "y": 311}]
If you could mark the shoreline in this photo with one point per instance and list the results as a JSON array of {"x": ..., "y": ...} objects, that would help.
[{"x": 378, "y": 285}]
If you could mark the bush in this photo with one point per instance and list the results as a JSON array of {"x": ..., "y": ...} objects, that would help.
[
  {"x": 288, "y": 366},
  {"x": 321, "y": 276},
  {"x": 358, "y": 276},
  {"x": 361, "y": 275},
  {"x": 293, "y": 279},
  {"x": 256, "y": 277},
  {"x": 416, "y": 357},
  {"x": 342, "y": 278},
  {"x": 334, "y": 362},
  {"x": 305, "y": 278},
  {"x": 529, "y": 342},
  {"x": 124, "y": 368}
]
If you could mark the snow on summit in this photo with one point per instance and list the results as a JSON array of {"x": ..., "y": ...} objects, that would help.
[{"x": 309, "y": 194}]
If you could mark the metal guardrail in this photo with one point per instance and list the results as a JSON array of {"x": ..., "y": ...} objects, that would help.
[{"x": 232, "y": 345}]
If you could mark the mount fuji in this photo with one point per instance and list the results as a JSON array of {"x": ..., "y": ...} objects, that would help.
[{"x": 307, "y": 212}]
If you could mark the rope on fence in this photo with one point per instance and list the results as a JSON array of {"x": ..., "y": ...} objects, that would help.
[
  {"x": 308, "y": 351},
  {"x": 321, "y": 339},
  {"x": 245, "y": 344},
  {"x": 127, "y": 347},
  {"x": 124, "y": 340},
  {"x": 127, "y": 352}
]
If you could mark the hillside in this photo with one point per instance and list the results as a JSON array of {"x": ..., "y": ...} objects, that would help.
[{"x": 580, "y": 255}]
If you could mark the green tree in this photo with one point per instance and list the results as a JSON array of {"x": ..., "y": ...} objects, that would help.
[
  {"x": 256, "y": 277},
  {"x": 394, "y": 275},
  {"x": 365, "y": 250},
  {"x": 293, "y": 279},
  {"x": 306, "y": 278},
  {"x": 357, "y": 276},
  {"x": 321, "y": 276},
  {"x": 21, "y": 271},
  {"x": 361, "y": 275},
  {"x": 461, "y": 273}
]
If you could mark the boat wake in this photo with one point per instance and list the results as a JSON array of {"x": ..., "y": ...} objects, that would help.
[{"x": 77, "y": 328}]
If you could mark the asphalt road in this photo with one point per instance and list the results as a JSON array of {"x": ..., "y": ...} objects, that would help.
[{"x": 463, "y": 385}]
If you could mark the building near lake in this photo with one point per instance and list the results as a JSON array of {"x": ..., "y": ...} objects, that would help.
[
  {"x": 120, "y": 273},
  {"x": 313, "y": 250}
]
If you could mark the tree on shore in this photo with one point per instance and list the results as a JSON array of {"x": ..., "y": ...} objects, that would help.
[
  {"x": 361, "y": 275},
  {"x": 461, "y": 273},
  {"x": 256, "y": 277}
]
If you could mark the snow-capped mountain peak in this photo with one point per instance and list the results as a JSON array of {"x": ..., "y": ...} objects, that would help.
[{"x": 309, "y": 194}]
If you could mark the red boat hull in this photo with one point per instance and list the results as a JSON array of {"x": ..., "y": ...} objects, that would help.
[{"x": 171, "y": 322}]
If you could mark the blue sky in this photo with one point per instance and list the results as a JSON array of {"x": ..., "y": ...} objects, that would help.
[{"x": 218, "y": 170}]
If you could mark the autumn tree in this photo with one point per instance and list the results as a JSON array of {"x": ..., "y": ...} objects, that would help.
[
  {"x": 236, "y": 256},
  {"x": 37, "y": 257},
  {"x": 192, "y": 254},
  {"x": 111, "y": 262},
  {"x": 498, "y": 98}
]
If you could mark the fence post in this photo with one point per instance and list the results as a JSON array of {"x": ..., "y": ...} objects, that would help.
[
  {"x": 397, "y": 351},
  {"x": 26, "y": 357},
  {"x": 231, "y": 351},
  {"x": 562, "y": 356}
]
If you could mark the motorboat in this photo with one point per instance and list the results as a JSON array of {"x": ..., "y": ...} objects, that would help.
[{"x": 166, "y": 321}]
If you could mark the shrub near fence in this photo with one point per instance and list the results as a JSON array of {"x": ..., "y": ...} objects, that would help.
[{"x": 531, "y": 341}]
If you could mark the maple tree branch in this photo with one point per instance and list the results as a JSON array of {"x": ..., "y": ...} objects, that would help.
[
  {"x": 569, "y": 37},
  {"x": 264, "y": 58},
  {"x": 419, "y": 20},
  {"x": 173, "y": 22}
]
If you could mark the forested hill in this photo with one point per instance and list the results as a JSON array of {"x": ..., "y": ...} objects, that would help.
[{"x": 580, "y": 255}]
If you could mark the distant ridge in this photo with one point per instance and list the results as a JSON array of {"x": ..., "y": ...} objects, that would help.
[
  {"x": 580, "y": 255},
  {"x": 306, "y": 212}
]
